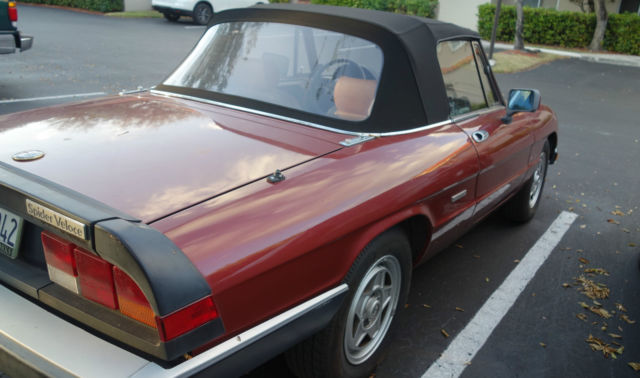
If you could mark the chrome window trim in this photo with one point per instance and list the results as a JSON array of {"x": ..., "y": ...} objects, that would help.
[
  {"x": 294, "y": 120},
  {"x": 476, "y": 113}
]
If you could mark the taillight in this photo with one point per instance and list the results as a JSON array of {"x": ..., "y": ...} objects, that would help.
[
  {"x": 96, "y": 279},
  {"x": 13, "y": 11},
  {"x": 132, "y": 301},
  {"x": 60, "y": 262},
  {"x": 186, "y": 319}
]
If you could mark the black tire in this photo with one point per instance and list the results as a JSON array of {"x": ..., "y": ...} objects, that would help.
[
  {"x": 331, "y": 352},
  {"x": 522, "y": 207},
  {"x": 202, "y": 13},
  {"x": 171, "y": 16}
]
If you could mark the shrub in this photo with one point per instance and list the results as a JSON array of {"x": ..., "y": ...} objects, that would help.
[
  {"x": 623, "y": 34},
  {"x": 424, "y": 8},
  {"x": 565, "y": 29},
  {"x": 94, "y": 5}
]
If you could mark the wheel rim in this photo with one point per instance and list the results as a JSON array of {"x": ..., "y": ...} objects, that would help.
[
  {"x": 537, "y": 180},
  {"x": 372, "y": 309}
]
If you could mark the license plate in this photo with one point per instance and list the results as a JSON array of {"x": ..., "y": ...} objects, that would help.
[{"x": 10, "y": 232}]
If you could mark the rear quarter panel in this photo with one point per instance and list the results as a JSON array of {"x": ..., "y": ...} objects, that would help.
[{"x": 266, "y": 247}]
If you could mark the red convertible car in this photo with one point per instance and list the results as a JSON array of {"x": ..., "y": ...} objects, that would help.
[{"x": 271, "y": 195}]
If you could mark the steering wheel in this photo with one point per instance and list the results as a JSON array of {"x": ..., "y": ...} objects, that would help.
[{"x": 318, "y": 97}]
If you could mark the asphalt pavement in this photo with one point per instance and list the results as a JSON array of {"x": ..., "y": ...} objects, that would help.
[
  {"x": 597, "y": 177},
  {"x": 78, "y": 53}
]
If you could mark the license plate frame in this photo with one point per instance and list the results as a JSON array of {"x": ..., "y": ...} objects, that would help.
[{"x": 10, "y": 233}]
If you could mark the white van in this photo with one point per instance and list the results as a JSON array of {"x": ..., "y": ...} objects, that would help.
[{"x": 200, "y": 10}]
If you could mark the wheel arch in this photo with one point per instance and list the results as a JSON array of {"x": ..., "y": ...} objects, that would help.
[
  {"x": 414, "y": 222},
  {"x": 204, "y": 2}
]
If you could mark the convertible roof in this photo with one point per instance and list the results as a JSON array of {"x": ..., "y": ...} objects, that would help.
[
  {"x": 396, "y": 23},
  {"x": 411, "y": 91}
]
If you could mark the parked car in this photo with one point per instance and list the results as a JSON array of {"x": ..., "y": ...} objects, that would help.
[
  {"x": 10, "y": 37},
  {"x": 272, "y": 194},
  {"x": 200, "y": 10}
]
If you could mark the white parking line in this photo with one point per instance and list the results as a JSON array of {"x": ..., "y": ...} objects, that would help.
[
  {"x": 469, "y": 341},
  {"x": 52, "y": 97}
]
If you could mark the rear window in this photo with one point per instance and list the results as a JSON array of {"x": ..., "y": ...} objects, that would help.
[{"x": 298, "y": 67}]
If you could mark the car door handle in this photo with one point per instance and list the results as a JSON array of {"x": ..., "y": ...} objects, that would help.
[{"x": 480, "y": 136}]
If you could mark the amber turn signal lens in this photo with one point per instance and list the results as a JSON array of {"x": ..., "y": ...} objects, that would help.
[{"x": 131, "y": 300}]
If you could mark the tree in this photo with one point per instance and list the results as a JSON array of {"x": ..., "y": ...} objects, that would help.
[
  {"x": 590, "y": 4},
  {"x": 519, "y": 42},
  {"x": 601, "y": 26}
]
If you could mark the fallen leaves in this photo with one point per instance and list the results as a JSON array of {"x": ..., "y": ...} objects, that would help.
[
  {"x": 583, "y": 260},
  {"x": 444, "y": 333},
  {"x": 618, "y": 213},
  {"x": 592, "y": 289},
  {"x": 615, "y": 336},
  {"x": 598, "y": 345},
  {"x": 620, "y": 307},
  {"x": 635, "y": 365},
  {"x": 543, "y": 345},
  {"x": 582, "y": 317},
  {"x": 626, "y": 319},
  {"x": 597, "y": 310},
  {"x": 599, "y": 271},
  {"x": 459, "y": 309}
]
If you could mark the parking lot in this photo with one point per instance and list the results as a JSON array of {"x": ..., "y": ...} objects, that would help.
[{"x": 538, "y": 328}]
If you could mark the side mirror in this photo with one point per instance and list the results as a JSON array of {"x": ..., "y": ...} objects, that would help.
[{"x": 522, "y": 100}]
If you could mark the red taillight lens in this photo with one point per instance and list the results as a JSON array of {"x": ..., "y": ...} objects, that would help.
[
  {"x": 97, "y": 280},
  {"x": 13, "y": 11},
  {"x": 132, "y": 301},
  {"x": 59, "y": 253},
  {"x": 186, "y": 319},
  {"x": 60, "y": 262},
  {"x": 95, "y": 277}
]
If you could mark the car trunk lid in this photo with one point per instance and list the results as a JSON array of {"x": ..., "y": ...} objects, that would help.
[{"x": 150, "y": 156}]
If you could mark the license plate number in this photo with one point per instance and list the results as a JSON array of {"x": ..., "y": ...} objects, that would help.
[{"x": 10, "y": 232}]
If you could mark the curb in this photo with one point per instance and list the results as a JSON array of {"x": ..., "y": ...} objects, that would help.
[{"x": 615, "y": 59}]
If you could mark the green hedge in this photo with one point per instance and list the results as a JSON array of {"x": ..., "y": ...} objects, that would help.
[
  {"x": 94, "y": 5},
  {"x": 566, "y": 29},
  {"x": 424, "y": 8}
]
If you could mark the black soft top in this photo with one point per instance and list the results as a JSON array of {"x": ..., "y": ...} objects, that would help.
[
  {"x": 394, "y": 22},
  {"x": 411, "y": 90}
]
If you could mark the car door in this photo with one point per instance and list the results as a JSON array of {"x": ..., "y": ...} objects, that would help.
[{"x": 476, "y": 107}]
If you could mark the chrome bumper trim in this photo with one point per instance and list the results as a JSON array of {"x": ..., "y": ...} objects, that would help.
[
  {"x": 243, "y": 340},
  {"x": 57, "y": 348},
  {"x": 26, "y": 42}
]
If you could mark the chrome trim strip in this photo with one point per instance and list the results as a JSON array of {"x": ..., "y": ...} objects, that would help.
[
  {"x": 416, "y": 130},
  {"x": 253, "y": 111},
  {"x": 294, "y": 120},
  {"x": 223, "y": 350},
  {"x": 477, "y": 113},
  {"x": 357, "y": 140}
]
